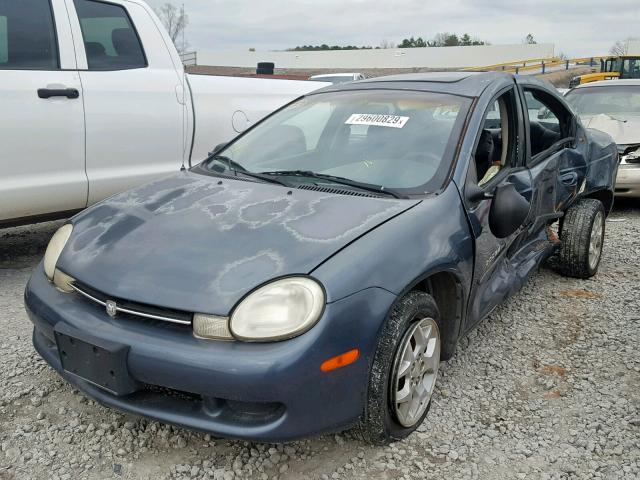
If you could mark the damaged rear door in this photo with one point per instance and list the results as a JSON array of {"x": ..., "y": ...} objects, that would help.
[{"x": 553, "y": 156}]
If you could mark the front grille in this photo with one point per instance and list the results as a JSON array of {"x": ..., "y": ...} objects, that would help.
[{"x": 133, "y": 308}]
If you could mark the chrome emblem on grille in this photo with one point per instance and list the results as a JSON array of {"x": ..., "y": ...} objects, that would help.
[{"x": 112, "y": 308}]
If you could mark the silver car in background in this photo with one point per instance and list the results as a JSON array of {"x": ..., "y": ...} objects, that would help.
[
  {"x": 337, "y": 78},
  {"x": 613, "y": 106}
]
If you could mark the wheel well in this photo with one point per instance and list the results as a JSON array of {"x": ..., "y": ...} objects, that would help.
[
  {"x": 605, "y": 196},
  {"x": 446, "y": 290}
]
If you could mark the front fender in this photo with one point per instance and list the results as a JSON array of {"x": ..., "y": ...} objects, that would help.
[{"x": 431, "y": 237}]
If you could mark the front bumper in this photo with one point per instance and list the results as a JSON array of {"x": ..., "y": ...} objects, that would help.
[
  {"x": 628, "y": 181},
  {"x": 254, "y": 391}
]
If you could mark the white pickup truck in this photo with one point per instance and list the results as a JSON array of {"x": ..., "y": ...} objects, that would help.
[{"x": 94, "y": 100}]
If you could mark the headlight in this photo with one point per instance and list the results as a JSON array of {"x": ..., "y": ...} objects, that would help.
[
  {"x": 63, "y": 281},
  {"x": 279, "y": 310},
  {"x": 54, "y": 249}
]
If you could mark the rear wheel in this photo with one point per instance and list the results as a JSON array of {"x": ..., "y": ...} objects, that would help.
[
  {"x": 582, "y": 238},
  {"x": 404, "y": 371}
]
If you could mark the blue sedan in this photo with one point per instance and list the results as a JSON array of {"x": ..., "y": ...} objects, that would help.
[{"x": 311, "y": 275}]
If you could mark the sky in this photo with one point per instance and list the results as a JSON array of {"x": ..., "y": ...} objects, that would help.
[{"x": 576, "y": 28}]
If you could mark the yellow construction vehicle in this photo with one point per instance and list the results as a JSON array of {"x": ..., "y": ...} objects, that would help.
[{"x": 611, "y": 68}]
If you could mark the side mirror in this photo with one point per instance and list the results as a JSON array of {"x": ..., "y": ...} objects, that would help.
[
  {"x": 508, "y": 211},
  {"x": 474, "y": 193}
]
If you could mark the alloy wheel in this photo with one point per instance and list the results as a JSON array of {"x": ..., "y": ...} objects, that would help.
[
  {"x": 415, "y": 371},
  {"x": 596, "y": 240}
]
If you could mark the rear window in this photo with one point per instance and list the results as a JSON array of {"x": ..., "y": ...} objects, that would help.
[
  {"x": 110, "y": 41},
  {"x": 27, "y": 36}
]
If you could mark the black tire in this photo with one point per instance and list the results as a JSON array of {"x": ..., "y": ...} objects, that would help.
[
  {"x": 379, "y": 425},
  {"x": 575, "y": 235},
  {"x": 265, "y": 68}
]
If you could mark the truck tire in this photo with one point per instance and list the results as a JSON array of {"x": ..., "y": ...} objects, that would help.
[
  {"x": 404, "y": 370},
  {"x": 582, "y": 238}
]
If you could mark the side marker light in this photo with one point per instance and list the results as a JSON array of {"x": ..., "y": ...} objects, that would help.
[{"x": 340, "y": 361}]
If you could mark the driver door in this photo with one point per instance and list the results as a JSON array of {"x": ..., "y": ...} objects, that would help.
[{"x": 498, "y": 161}]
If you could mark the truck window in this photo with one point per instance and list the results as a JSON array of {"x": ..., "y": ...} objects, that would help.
[
  {"x": 27, "y": 36},
  {"x": 110, "y": 41}
]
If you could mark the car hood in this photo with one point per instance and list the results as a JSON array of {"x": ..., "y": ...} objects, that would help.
[
  {"x": 199, "y": 244},
  {"x": 623, "y": 130}
]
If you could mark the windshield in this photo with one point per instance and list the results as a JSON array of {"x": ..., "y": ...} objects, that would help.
[
  {"x": 615, "y": 100},
  {"x": 399, "y": 140}
]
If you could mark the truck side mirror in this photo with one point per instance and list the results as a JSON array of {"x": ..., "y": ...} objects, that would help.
[{"x": 508, "y": 210}]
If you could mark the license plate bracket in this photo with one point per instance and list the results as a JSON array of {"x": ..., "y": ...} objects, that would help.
[{"x": 99, "y": 362}]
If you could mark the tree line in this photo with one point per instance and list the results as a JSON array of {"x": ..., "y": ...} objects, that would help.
[{"x": 444, "y": 39}]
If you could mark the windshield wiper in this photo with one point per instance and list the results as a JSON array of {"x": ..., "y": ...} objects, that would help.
[
  {"x": 335, "y": 179},
  {"x": 622, "y": 120},
  {"x": 236, "y": 168}
]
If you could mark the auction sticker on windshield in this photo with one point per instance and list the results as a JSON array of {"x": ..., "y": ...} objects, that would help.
[{"x": 393, "y": 121}]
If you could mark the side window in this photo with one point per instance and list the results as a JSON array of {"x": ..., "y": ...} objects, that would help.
[
  {"x": 631, "y": 66},
  {"x": 547, "y": 120},
  {"x": 4, "y": 40},
  {"x": 496, "y": 145},
  {"x": 27, "y": 36},
  {"x": 110, "y": 41}
]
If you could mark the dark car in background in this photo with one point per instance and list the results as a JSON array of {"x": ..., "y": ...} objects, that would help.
[{"x": 311, "y": 274}]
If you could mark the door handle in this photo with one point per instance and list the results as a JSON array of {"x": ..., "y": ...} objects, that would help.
[
  {"x": 570, "y": 179},
  {"x": 58, "y": 92}
]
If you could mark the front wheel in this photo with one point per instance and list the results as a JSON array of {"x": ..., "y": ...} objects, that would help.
[
  {"x": 404, "y": 370},
  {"x": 582, "y": 238}
]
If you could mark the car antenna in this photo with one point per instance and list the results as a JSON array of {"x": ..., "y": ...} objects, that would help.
[{"x": 184, "y": 97}]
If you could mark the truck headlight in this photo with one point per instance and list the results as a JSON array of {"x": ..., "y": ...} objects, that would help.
[
  {"x": 281, "y": 309},
  {"x": 54, "y": 249}
]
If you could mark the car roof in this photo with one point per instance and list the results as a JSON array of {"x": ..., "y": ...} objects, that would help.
[
  {"x": 470, "y": 84},
  {"x": 610, "y": 83}
]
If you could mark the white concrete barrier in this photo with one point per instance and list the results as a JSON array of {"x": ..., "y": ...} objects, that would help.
[{"x": 429, "y": 57}]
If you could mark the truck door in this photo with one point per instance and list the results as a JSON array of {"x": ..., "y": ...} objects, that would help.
[
  {"x": 134, "y": 115},
  {"x": 41, "y": 113}
]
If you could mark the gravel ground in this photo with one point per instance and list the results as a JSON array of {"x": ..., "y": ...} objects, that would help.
[{"x": 548, "y": 387}]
